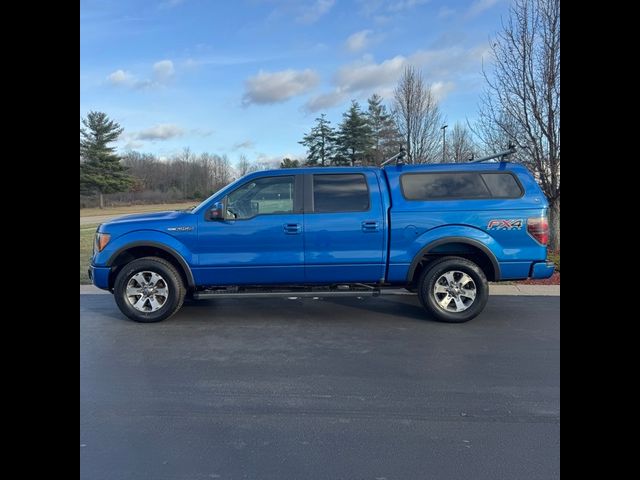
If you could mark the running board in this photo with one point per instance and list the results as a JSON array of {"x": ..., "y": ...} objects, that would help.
[{"x": 284, "y": 294}]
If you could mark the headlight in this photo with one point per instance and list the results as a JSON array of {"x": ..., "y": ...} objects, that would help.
[{"x": 101, "y": 240}]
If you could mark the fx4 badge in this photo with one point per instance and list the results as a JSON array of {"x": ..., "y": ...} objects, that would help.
[
  {"x": 499, "y": 224},
  {"x": 180, "y": 229}
]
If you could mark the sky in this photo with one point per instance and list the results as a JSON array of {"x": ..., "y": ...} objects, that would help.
[{"x": 250, "y": 76}]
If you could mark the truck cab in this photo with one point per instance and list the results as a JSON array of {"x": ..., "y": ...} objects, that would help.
[{"x": 443, "y": 231}]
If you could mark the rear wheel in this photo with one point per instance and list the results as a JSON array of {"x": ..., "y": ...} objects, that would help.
[
  {"x": 149, "y": 289},
  {"x": 453, "y": 289}
]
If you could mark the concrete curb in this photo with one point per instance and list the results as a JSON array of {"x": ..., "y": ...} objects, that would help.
[{"x": 494, "y": 289}]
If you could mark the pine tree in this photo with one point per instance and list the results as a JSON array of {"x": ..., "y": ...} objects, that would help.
[
  {"x": 385, "y": 138},
  {"x": 100, "y": 168},
  {"x": 354, "y": 137},
  {"x": 320, "y": 143},
  {"x": 288, "y": 163}
]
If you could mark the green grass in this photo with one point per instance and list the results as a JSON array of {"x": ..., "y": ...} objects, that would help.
[
  {"x": 90, "y": 212},
  {"x": 87, "y": 234}
]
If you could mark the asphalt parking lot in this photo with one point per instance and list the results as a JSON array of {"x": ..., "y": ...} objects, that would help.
[{"x": 320, "y": 389}]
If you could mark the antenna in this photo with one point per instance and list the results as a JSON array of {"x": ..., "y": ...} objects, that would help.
[
  {"x": 398, "y": 156},
  {"x": 502, "y": 155}
]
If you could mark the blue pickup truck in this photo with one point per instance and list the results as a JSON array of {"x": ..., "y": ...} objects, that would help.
[{"x": 443, "y": 231}]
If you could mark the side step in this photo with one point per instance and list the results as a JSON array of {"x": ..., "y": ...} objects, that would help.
[{"x": 208, "y": 294}]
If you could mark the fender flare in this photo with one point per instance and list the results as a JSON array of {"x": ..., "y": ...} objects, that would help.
[
  {"x": 441, "y": 241},
  {"x": 185, "y": 266}
]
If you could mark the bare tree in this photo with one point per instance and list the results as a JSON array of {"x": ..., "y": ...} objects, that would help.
[
  {"x": 460, "y": 145},
  {"x": 417, "y": 117},
  {"x": 244, "y": 165},
  {"x": 522, "y": 99}
]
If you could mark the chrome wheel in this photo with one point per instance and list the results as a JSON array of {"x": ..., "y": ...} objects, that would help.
[
  {"x": 147, "y": 291},
  {"x": 454, "y": 291}
]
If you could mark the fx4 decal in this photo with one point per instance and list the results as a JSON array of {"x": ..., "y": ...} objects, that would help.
[{"x": 500, "y": 224}]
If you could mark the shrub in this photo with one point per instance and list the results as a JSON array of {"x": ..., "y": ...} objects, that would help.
[{"x": 554, "y": 256}]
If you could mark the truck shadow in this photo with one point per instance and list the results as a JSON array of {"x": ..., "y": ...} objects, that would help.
[{"x": 400, "y": 307}]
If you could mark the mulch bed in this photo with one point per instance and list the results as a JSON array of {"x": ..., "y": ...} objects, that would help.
[{"x": 553, "y": 280}]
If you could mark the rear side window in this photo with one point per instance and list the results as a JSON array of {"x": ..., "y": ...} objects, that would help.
[
  {"x": 502, "y": 185},
  {"x": 340, "y": 193},
  {"x": 459, "y": 185}
]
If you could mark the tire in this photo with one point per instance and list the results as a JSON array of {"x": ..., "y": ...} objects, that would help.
[
  {"x": 156, "y": 290},
  {"x": 446, "y": 289}
]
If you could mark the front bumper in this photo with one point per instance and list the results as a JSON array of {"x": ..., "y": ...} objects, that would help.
[
  {"x": 100, "y": 276},
  {"x": 542, "y": 269}
]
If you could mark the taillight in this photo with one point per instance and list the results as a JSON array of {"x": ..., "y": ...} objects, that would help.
[{"x": 538, "y": 228}]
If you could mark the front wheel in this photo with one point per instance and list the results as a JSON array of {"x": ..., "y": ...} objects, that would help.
[
  {"x": 453, "y": 289},
  {"x": 149, "y": 289}
]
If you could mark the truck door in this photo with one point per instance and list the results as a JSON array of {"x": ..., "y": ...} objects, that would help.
[
  {"x": 344, "y": 228},
  {"x": 260, "y": 241}
]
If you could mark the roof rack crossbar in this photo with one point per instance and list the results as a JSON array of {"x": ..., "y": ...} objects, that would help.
[{"x": 502, "y": 155}]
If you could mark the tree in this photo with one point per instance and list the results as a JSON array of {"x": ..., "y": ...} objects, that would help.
[
  {"x": 385, "y": 138},
  {"x": 522, "y": 98},
  {"x": 320, "y": 142},
  {"x": 100, "y": 168},
  {"x": 417, "y": 117},
  {"x": 460, "y": 146},
  {"x": 288, "y": 163},
  {"x": 244, "y": 165},
  {"x": 354, "y": 138}
]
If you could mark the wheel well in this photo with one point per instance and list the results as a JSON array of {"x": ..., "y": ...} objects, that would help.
[
  {"x": 458, "y": 249},
  {"x": 134, "y": 253}
]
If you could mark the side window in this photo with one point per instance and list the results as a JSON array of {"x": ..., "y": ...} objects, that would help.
[
  {"x": 334, "y": 193},
  {"x": 502, "y": 185},
  {"x": 459, "y": 186},
  {"x": 262, "y": 196},
  {"x": 443, "y": 186}
]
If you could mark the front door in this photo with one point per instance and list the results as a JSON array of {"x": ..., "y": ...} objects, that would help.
[
  {"x": 344, "y": 228},
  {"x": 260, "y": 240}
]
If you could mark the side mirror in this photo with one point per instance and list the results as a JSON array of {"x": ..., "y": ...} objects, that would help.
[{"x": 217, "y": 211}]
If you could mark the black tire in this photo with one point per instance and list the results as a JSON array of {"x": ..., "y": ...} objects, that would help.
[
  {"x": 429, "y": 299},
  {"x": 170, "y": 276}
]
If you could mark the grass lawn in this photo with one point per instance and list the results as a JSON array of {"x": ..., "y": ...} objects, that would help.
[
  {"x": 87, "y": 233},
  {"x": 90, "y": 212}
]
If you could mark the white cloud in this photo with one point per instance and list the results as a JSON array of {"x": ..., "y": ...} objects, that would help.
[
  {"x": 247, "y": 144},
  {"x": 275, "y": 87},
  {"x": 441, "y": 89},
  {"x": 358, "y": 40},
  {"x": 480, "y": 6},
  {"x": 441, "y": 68},
  {"x": 314, "y": 11},
  {"x": 326, "y": 100},
  {"x": 368, "y": 74},
  {"x": 120, "y": 77},
  {"x": 164, "y": 131},
  {"x": 163, "y": 70},
  {"x": 133, "y": 145}
]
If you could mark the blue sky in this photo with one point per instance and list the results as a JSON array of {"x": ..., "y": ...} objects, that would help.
[{"x": 250, "y": 76}]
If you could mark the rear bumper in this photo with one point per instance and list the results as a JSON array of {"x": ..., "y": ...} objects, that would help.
[
  {"x": 99, "y": 276},
  {"x": 542, "y": 269}
]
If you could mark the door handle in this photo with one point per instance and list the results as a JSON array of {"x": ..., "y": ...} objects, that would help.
[
  {"x": 370, "y": 226},
  {"x": 292, "y": 228}
]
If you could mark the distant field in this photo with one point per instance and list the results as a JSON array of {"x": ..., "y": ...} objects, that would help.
[
  {"x": 90, "y": 212},
  {"x": 87, "y": 233}
]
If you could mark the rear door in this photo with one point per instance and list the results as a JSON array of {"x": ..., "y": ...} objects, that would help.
[{"x": 343, "y": 228}]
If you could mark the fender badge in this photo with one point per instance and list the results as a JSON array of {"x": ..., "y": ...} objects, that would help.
[{"x": 180, "y": 229}]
